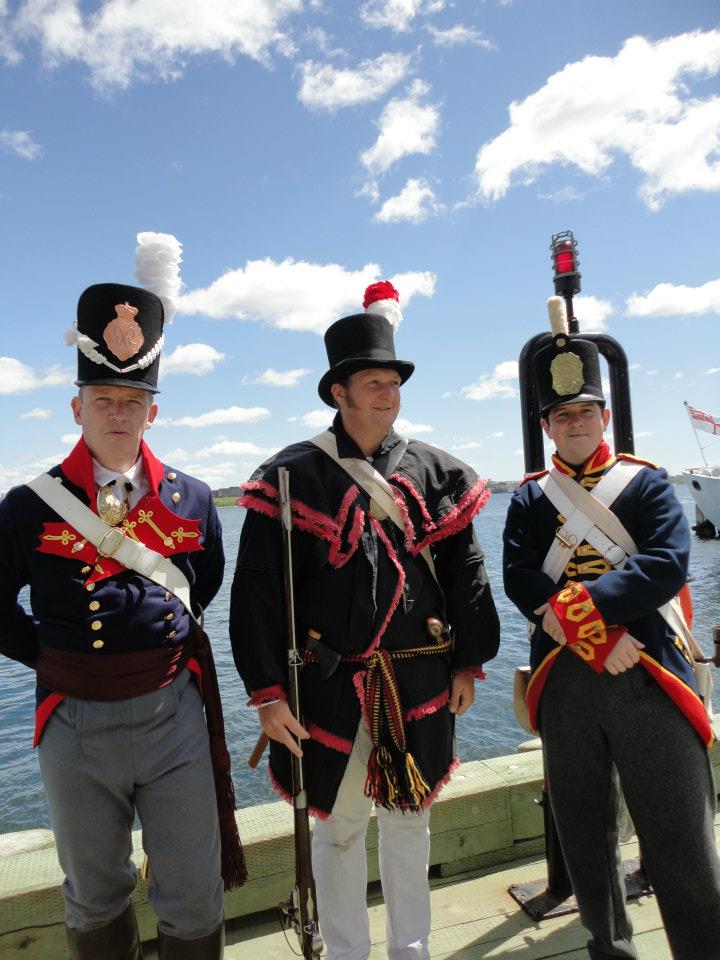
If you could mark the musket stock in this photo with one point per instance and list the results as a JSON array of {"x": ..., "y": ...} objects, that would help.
[{"x": 299, "y": 911}]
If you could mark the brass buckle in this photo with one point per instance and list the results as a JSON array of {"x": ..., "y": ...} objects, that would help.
[
  {"x": 113, "y": 546},
  {"x": 568, "y": 540}
]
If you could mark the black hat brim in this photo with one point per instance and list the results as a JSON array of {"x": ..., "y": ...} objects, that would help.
[
  {"x": 352, "y": 365},
  {"x": 109, "y": 382}
]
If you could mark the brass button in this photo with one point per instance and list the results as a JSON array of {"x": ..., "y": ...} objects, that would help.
[
  {"x": 90, "y": 587},
  {"x": 94, "y": 605},
  {"x": 171, "y": 634},
  {"x": 86, "y": 569},
  {"x": 168, "y": 596},
  {"x": 98, "y": 644},
  {"x": 170, "y": 616},
  {"x": 175, "y": 497},
  {"x": 171, "y": 476},
  {"x": 96, "y": 625}
]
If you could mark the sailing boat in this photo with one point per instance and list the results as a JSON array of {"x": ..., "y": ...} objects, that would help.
[{"x": 704, "y": 482}]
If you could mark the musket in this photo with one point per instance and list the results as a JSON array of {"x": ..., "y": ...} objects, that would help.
[{"x": 299, "y": 911}]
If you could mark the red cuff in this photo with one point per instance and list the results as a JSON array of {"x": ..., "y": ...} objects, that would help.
[
  {"x": 477, "y": 673},
  {"x": 259, "y": 697},
  {"x": 587, "y": 633}
]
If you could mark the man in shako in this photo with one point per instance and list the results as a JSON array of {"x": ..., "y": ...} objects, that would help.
[
  {"x": 613, "y": 681},
  {"x": 115, "y": 567},
  {"x": 379, "y": 693}
]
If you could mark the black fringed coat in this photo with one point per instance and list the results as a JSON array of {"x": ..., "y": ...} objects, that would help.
[{"x": 362, "y": 585}]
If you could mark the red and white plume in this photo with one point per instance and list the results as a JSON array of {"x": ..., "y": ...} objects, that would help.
[
  {"x": 157, "y": 268},
  {"x": 384, "y": 299}
]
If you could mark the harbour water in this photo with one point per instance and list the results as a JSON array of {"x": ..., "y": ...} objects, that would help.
[{"x": 488, "y": 729}]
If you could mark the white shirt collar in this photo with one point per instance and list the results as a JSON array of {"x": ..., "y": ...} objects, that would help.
[{"x": 135, "y": 475}]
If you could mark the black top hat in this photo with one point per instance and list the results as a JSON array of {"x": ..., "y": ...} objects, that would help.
[
  {"x": 567, "y": 371},
  {"x": 119, "y": 336},
  {"x": 359, "y": 342}
]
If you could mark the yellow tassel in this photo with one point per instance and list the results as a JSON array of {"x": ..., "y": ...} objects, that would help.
[
  {"x": 145, "y": 868},
  {"x": 419, "y": 789}
]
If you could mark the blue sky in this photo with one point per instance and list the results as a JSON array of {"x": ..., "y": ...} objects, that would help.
[{"x": 301, "y": 149}]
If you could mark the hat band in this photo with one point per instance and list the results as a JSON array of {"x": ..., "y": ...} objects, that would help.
[{"x": 86, "y": 346}]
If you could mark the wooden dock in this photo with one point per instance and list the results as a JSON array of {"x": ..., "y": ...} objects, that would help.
[{"x": 487, "y": 833}]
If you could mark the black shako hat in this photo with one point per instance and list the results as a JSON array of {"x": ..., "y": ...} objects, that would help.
[
  {"x": 359, "y": 342},
  {"x": 119, "y": 336},
  {"x": 567, "y": 371}
]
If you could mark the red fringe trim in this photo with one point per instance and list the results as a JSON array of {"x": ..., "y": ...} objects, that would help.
[
  {"x": 477, "y": 673},
  {"x": 328, "y": 739},
  {"x": 432, "y": 706},
  {"x": 455, "y": 763},
  {"x": 266, "y": 695},
  {"x": 470, "y": 504},
  {"x": 398, "y": 589},
  {"x": 284, "y": 795},
  {"x": 312, "y": 521},
  {"x": 359, "y": 684}
]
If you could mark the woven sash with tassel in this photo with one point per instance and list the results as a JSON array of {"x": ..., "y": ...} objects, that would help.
[
  {"x": 234, "y": 872},
  {"x": 394, "y": 780}
]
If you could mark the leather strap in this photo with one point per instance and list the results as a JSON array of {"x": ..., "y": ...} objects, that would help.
[
  {"x": 572, "y": 501},
  {"x": 372, "y": 482},
  {"x": 111, "y": 541}
]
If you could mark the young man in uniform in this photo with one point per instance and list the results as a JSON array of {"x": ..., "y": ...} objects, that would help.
[
  {"x": 117, "y": 652},
  {"x": 612, "y": 682},
  {"x": 379, "y": 693}
]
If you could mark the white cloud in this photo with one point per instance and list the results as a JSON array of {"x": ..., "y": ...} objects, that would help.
[
  {"x": 592, "y": 313},
  {"x": 19, "y": 142},
  {"x": 415, "y": 203},
  {"x": 232, "y": 448},
  {"x": 713, "y": 370},
  {"x": 459, "y": 35},
  {"x": 315, "y": 419},
  {"x": 285, "y": 295},
  {"x": 497, "y": 435},
  {"x": 18, "y": 377},
  {"x": 674, "y": 300},
  {"x": 407, "y": 126},
  {"x": 280, "y": 378},
  {"x": 123, "y": 40},
  {"x": 13, "y": 474},
  {"x": 330, "y": 88},
  {"x": 652, "y": 373},
  {"x": 70, "y": 438},
  {"x": 397, "y": 14},
  {"x": 195, "y": 358},
  {"x": 37, "y": 413},
  {"x": 467, "y": 445},
  {"x": 408, "y": 427},
  {"x": 214, "y": 417},
  {"x": 637, "y": 103},
  {"x": 499, "y": 383},
  {"x": 679, "y": 375}
]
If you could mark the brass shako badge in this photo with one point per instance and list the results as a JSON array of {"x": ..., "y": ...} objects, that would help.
[{"x": 567, "y": 373}]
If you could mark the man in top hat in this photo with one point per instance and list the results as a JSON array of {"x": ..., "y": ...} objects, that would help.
[
  {"x": 380, "y": 691},
  {"x": 613, "y": 681},
  {"x": 119, "y": 566}
]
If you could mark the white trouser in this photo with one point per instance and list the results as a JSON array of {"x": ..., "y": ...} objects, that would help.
[{"x": 340, "y": 870}]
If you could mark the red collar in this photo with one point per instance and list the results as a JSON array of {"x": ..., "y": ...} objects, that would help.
[
  {"x": 599, "y": 460},
  {"x": 78, "y": 468}
]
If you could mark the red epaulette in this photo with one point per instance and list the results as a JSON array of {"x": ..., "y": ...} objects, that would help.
[
  {"x": 532, "y": 476},
  {"x": 631, "y": 458}
]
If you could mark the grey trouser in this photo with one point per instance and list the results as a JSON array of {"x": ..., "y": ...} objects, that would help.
[
  {"x": 588, "y": 722},
  {"x": 102, "y": 762}
]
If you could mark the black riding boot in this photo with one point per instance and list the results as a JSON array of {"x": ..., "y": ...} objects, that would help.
[
  {"x": 117, "y": 940},
  {"x": 210, "y": 947}
]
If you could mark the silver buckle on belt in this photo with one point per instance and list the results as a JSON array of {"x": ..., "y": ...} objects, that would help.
[{"x": 112, "y": 546}]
